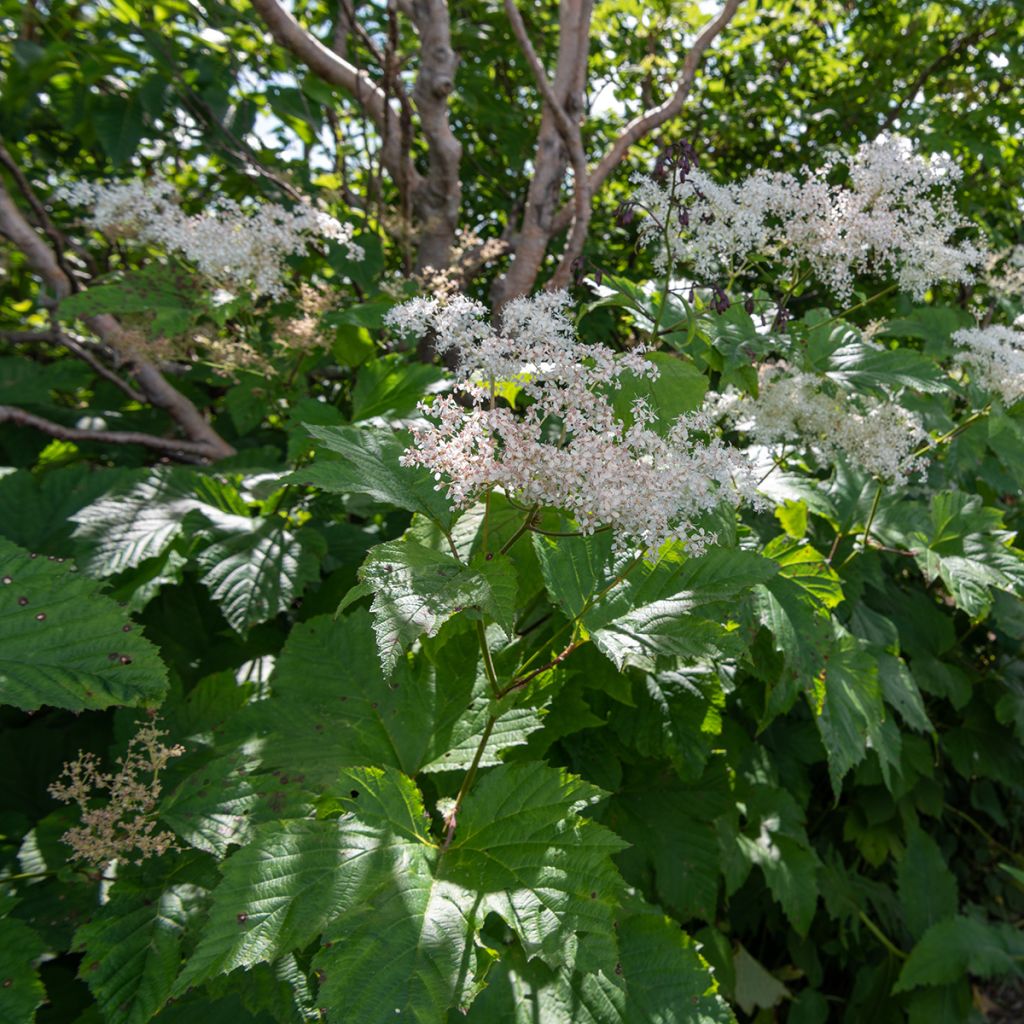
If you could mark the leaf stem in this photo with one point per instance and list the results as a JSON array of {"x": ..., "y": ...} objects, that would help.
[
  {"x": 867, "y": 529},
  {"x": 485, "y": 651},
  {"x": 949, "y": 435},
  {"x": 522, "y": 529},
  {"x": 467, "y": 782},
  {"x": 881, "y": 936}
]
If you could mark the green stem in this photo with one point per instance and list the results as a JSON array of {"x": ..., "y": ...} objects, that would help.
[
  {"x": 485, "y": 651},
  {"x": 988, "y": 837},
  {"x": 522, "y": 529},
  {"x": 881, "y": 936},
  {"x": 467, "y": 782},
  {"x": 867, "y": 529},
  {"x": 949, "y": 435},
  {"x": 27, "y": 874}
]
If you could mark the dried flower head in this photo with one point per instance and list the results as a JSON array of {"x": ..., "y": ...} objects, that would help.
[
  {"x": 236, "y": 247},
  {"x": 896, "y": 217},
  {"x": 568, "y": 449},
  {"x": 117, "y": 807}
]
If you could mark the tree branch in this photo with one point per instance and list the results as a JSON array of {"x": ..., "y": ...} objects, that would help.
[
  {"x": 154, "y": 386},
  {"x": 186, "y": 451},
  {"x": 57, "y": 337},
  {"x": 551, "y": 155},
  {"x": 572, "y": 136},
  {"x": 335, "y": 70},
  {"x": 653, "y": 118},
  {"x": 437, "y": 197}
]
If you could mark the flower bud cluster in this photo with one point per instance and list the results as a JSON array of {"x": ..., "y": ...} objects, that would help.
[
  {"x": 793, "y": 408},
  {"x": 994, "y": 356},
  {"x": 568, "y": 449},
  {"x": 895, "y": 216},
  {"x": 117, "y": 807},
  {"x": 236, "y": 247}
]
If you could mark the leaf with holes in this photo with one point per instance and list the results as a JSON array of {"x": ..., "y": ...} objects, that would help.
[{"x": 65, "y": 644}]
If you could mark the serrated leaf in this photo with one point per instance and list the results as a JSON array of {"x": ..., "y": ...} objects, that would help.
[
  {"x": 659, "y": 977},
  {"x": 64, "y": 644},
  {"x": 679, "y": 388},
  {"x": 416, "y": 590},
  {"x": 635, "y": 611},
  {"x": 755, "y": 988},
  {"x": 392, "y": 387},
  {"x": 958, "y": 946},
  {"x": 331, "y": 706},
  {"x": 132, "y": 950},
  {"x": 853, "y": 716},
  {"x": 370, "y": 465},
  {"x": 258, "y": 569},
  {"x": 881, "y": 371},
  {"x": 21, "y": 991},
  {"x": 927, "y": 888},
  {"x": 139, "y": 519}
]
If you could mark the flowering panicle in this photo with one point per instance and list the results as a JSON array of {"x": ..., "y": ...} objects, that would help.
[
  {"x": 881, "y": 437},
  {"x": 896, "y": 216},
  {"x": 568, "y": 449},
  {"x": 994, "y": 355},
  {"x": 122, "y": 825},
  {"x": 233, "y": 246}
]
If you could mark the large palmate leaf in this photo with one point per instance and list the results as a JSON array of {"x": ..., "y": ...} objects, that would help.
[
  {"x": 331, "y": 706},
  {"x": 140, "y": 519},
  {"x": 257, "y": 568},
  {"x": 963, "y": 543},
  {"x": 853, "y": 716},
  {"x": 64, "y": 644},
  {"x": 659, "y": 977},
  {"x": 399, "y": 913},
  {"x": 679, "y": 388},
  {"x": 21, "y": 991},
  {"x": 636, "y": 611},
  {"x": 132, "y": 950},
  {"x": 417, "y": 589},
  {"x": 882, "y": 371},
  {"x": 392, "y": 387},
  {"x": 370, "y": 464},
  {"x": 958, "y": 946}
]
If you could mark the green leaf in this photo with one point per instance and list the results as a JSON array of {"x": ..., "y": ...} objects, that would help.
[
  {"x": 927, "y": 888},
  {"x": 958, "y": 946},
  {"x": 392, "y": 387},
  {"x": 853, "y": 716},
  {"x": 138, "y": 520},
  {"x": 398, "y": 913},
  {"x": 882, "y": 371},
  {"x": 370, "y": 465},
  {"x": 21, "y": 991},
  {"x": 166, "y": 292},
  {"x": 64, "y": 644},
  {"x": 255, "y": 570},
  {"x": 331, "y": 706},
  {"x": 756, "y": 989},
  {"x": 679, "y": 388},
  {"x": 646, "y": 610},
  {"x": 416, "y": 590},
  {"x": 659, "y": 977},
  {"x": 132, "y": 950}
]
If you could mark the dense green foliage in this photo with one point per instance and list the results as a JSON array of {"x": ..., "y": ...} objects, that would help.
[{"x": 474, "y": 765}]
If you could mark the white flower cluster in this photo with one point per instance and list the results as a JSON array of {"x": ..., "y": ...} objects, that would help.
[
  {"x": 895, "y": 217},
  {"x": 567, "y": 450},
  {"x": 995, "y": 357},
  {"x": 881, "y": 437},
  {"x": 235, "y": 247}
]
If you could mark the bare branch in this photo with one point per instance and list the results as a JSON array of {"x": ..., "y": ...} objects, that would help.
[
  {"x": 437, "y": 197},
  {"x": 57, "y": 337},
  {"x": 573, "y": 139},
  {"x": 551, "y": 156},
  {"x": 152, "y": 383},
  {"x": 653, "y": 118},
  {"x": 335, "y": 70},
  {"x": 185, "y": 451}
]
